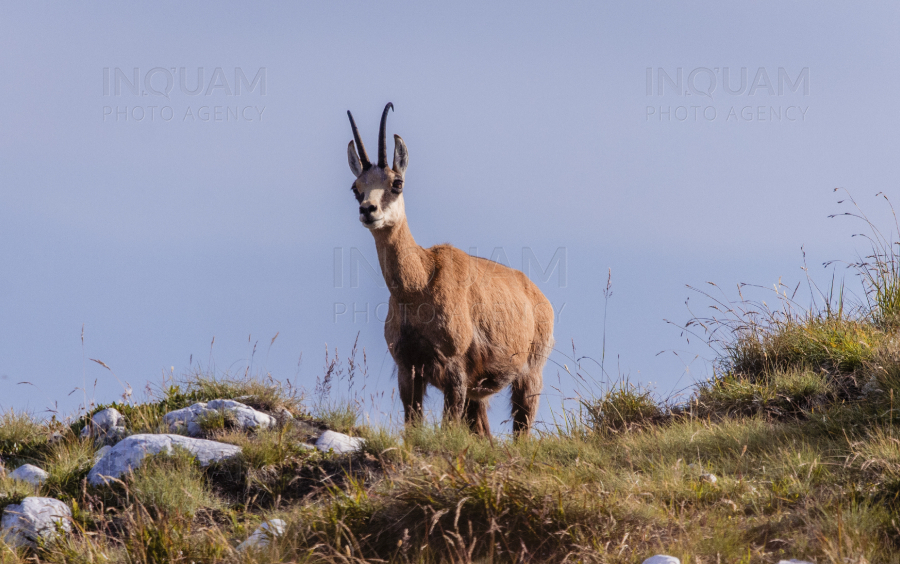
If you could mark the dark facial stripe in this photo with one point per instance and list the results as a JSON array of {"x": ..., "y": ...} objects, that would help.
[{"x": 388, "y": 196}]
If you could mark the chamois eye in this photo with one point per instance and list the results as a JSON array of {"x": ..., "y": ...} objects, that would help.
[{"x": 397, "y": 186}]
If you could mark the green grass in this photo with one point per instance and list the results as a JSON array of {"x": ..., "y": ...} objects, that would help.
[
  {"x": 812, "y": 342},
  {"x": 780, "y": 393},
  {"x": 21, "y": 434},
  {"x": 171, "y": 486},
  {"x": 215, "y": 420},
  {"x": 68, "y": 462},
  {"x": 338, "y": 416},
  {"x": 787, "y": 487},
  {"x": 623, "y": 407},
  {"x": 261, "y": 393}
]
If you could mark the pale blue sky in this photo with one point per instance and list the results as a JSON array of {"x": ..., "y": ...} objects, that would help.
[{"x": 527, "y": 126}]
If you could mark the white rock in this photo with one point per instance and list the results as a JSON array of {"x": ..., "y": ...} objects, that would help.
[
  {"x": 23, "y": 523},
  {"x": 29, "y": 473},
  {"x": 707, "y": 477},
  {"x": 245, "y": 416},
  {"x": 108, "y": 418},
  {"x": 340, "y": 442},
  {"x": 263, "y": 535},
  {"x": 129, "y": 453},
  {"x": 186, "y": 418},
  {"x": 662, "y": 559},
  {"x": 108, "y": 423},
  {"x": 793, "y": 561}
]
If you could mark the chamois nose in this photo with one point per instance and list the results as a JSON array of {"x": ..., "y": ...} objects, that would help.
[{"x": 367, "y": 210}]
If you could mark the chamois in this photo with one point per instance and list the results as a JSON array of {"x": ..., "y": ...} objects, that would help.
[{"x": 466, "y": 325}]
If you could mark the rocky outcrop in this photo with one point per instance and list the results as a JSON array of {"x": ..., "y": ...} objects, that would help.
[
  {"x": 243, "y": 416},
  {"x": 129, "y": 453}
]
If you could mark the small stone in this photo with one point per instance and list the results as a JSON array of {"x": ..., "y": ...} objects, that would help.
[
  {"x": 130, "y": 452},
  {"x": 29, "y": 473},
  {"x": 263, "y": 535},
  {"x": 339, "y": 442},
  {"x": 708, "y": 478},
  {"x": 36, "y": 517},
  {"x": 662, "y": 559}
]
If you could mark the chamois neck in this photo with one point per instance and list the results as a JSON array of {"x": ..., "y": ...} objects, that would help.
[{"x": 404, "y": 263}]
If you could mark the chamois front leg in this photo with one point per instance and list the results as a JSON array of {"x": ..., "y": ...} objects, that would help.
[
  {"x": 454, "y": 397},
  {"x": 476, "y": 417},
  {"x": 412, "y": 392}
]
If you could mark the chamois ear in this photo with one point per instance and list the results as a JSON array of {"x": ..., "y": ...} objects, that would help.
[
  {"x": 401, "y": 156},
  {"x": 353, "y": 159}
]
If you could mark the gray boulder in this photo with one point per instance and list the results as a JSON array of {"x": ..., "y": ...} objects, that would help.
[
  {"x": 35, "y": 518},
  {"x": 108, "y": 424},
  {"x": 101, "y": 452},
  {"x": 339, "y": 442},
  {"x": 188, "y": 418},
  {"x": 128, "y": 454},
  {"x": 263, "y": 535},
  {"x": 29, "y": 473}
]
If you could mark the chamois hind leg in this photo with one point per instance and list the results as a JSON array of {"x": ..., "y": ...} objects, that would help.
[
  {"x": 526, "y": 394},
  {"x": 526, "y": 389},
  {"x": 476, "y": 417},
  {"x": 411, "y": 383}
]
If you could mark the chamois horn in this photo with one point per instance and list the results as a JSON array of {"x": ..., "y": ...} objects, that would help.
[
  {"x": 382, "y": 148},
  {"x": 360, "y": 148}
]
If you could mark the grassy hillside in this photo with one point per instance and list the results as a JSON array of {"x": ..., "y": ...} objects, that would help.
[{"x": 791, "y": 450}]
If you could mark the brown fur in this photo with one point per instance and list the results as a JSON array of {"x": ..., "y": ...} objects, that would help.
[{"x": 465, "y": 325}]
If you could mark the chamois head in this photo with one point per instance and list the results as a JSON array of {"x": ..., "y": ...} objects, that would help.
[{"x": 378, "y": 189}]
